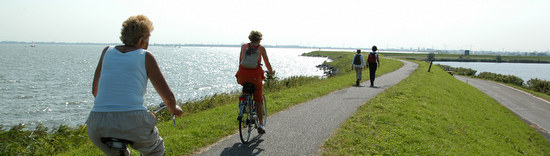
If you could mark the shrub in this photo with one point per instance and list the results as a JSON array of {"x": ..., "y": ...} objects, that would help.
[
  {"x": 18, "y": 141},
  {"x": 459, "y": 70},
  {"x": 445, "y": 67},
  {"x": 464, "y": 71},
  {"x": 539, "y": 85},
  {"x": 511, "y": 79}
]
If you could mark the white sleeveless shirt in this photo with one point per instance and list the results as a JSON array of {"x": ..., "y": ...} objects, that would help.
[{"x": 122, "y": 83}]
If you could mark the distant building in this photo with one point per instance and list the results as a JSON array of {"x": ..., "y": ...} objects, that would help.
[{"x": 466, "y": 52}]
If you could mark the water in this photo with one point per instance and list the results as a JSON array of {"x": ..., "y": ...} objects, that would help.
[
  {"x": 51, "y": 84},
  {"x": 525, "y": 71}
]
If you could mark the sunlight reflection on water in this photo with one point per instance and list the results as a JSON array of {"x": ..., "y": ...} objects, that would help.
[{"x": 51, "y": 84}]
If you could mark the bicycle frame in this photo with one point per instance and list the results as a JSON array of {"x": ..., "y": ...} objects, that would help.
[
  {"x": 249, "y": 122},
  {"x": 248, "y": 119}
]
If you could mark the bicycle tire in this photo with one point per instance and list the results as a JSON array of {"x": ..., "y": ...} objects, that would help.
[{"x": 246, "y": 123}]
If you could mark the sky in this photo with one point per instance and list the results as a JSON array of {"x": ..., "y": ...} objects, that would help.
[{"x": 488, "y": 25}]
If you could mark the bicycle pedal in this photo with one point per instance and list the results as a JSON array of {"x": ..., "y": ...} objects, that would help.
[{"x": 240, "y": 118}]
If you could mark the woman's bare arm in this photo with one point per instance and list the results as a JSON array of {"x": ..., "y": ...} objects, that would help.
[
  {"x": 241, "y": 54},
  {"x": 97, "y": 73},
  {"x": 158, "y": 81},
  {"x": 266, "y": 61}
]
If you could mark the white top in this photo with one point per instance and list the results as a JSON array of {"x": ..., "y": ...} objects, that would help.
[{"x": 123, "y": 81}]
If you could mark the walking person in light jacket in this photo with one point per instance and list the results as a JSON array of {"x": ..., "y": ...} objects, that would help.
[{"x": 358, "y": 64}]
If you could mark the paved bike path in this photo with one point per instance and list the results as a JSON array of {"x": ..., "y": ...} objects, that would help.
[
  {"x": 302, "y": 129},
  {"x": 532, "y": 110}
]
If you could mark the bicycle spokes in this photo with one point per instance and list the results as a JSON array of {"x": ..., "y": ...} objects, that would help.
[{"x": 248, "y": 117}]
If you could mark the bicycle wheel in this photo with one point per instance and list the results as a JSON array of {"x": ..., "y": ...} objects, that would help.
[
  {"x": 246, "y": 125},
  {"x": 264, "y": 105}
]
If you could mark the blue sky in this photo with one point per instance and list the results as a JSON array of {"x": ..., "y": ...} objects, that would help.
[{"x": 497, "y": 25}]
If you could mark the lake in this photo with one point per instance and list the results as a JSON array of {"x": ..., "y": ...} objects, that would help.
[
  {"x": 52, "y": 83},
  {"x": 525, "y": 71}
]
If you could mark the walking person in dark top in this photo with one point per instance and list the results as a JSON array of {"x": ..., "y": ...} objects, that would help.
[{"x": 373, "y": 62}]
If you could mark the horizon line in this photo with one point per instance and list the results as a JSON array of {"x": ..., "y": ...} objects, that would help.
[{"x": 267, "y": 45}]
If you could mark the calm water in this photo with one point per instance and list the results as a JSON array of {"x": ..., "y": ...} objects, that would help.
[
  {"x": 525, "y": 71},
  {"x": 51, "y": 84}
]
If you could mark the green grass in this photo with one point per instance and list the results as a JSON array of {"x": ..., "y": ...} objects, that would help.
[
  {"x": 40, "y": 141},
  {"x": 425, "y": 114},
  {"x": 432, "y": 113},
  {"x": 210, "y": 123}
]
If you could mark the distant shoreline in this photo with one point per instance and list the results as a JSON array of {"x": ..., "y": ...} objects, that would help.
[
  {"x": 489, "y": 58},
  {"x": 365, "y": 49},
  {"x": 178, "y": 45}
]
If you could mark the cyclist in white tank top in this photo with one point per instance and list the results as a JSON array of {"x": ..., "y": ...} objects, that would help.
[
  {"x": 119, "y": 85},
  {"x": 123, "y": 81}
]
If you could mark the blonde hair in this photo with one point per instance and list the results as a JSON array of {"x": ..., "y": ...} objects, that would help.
[
  {"x": 255, "y": 36},
  {"x": 134, "y": 28}
]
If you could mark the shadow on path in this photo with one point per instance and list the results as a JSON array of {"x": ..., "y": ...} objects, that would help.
[{"x": 251, "y": 148}]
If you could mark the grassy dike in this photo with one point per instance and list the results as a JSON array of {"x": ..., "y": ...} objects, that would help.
[
  {"x": 202, "y": 128},
  {"x": 432, "y": 113}
]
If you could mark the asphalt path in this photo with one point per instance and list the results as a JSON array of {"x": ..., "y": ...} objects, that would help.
[
  {"x": 302, "y": 129},
  {"x": 531, "y": 109}
]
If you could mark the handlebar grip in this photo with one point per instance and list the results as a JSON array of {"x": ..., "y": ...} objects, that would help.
[{"x": 161, "y": 107}]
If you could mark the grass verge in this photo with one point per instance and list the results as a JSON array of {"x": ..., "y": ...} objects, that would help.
[
  {"x": 432, "y": 113},
  {"x": 218, "y": 120},
  {"x": 534, "y": 93}
]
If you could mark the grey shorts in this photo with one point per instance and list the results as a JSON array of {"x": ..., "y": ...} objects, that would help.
[{"x": 137, "y": 126}]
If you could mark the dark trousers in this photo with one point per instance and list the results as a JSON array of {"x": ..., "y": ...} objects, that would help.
[{"x": 372, "y": 70}]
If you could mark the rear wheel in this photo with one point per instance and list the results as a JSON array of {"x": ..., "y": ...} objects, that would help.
[{"x": 246, "y": 125}]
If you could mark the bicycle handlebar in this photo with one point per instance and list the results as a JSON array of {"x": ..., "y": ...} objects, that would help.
[{"x": 163, "y": 106}]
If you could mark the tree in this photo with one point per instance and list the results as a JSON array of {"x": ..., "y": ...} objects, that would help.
[
  {"x": 431, "y": 56},
  {"x": 499, "y": 58}
]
